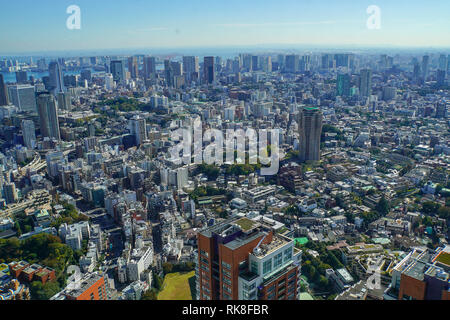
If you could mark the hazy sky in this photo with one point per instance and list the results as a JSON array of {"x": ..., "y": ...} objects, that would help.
[{"x": 30, "y": 25}]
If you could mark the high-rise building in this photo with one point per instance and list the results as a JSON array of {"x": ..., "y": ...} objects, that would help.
[
  {"x": 29, "y": 134},
  {"x": 138, "y": 128},
  {"x": 149, "y": 67},
  {"x": 365, "y": 83},
  {"x": 168, "y": 71},
  {"x": 443, "y": 62},
  {"x": 118, "y": 70},
  {"x": 244, "y": 259},
  {"x": 10, "y": 192},
  {"x": 191, "y": 68},
  {"x": 425, "y": 67},
  {"x": 133, "y": 67},
  {"x": 21, "y": 77},
  {"x": 292, "y": 63},
  {"x": 310, "y": 130},
  {"x": 4, "y": 100},
  {"x": 209, "y": 70},
  {"x": 23, "y": 96},
  {"x": 56, "y": 78},
  {"x": 48, "y": 116},
  {"x": 343, "y": 85},
  {"x": 64, "y": 101},
  {"x": 440, "y": 76},
  {"x": 255, "y": 63}
]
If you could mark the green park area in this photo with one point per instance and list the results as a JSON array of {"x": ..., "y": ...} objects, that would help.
[{"x": 177, "y": 286}]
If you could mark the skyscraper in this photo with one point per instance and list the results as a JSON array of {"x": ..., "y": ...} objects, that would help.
[
  {"x": 244, "y": 259},
  {"x": 29, "y": 133},
  {"x": 21, "y": 76},
  {"x": 343, "y": 85},
  {"x": 425, "y": 67},
  {"x": 310, "y": 130},
  {"x": 209, "y": 70},
  {"x": 149, "y": 67},
  {"x": 48, "y": 116},
  {"x": 138, "y": 129},
  {"x": 64, "y": 101},
  {"x": 365, "y": 84},
  {"x": 10, "y": 192},
  {"x": 56, "y": 78},
  {"x": 292, "y": 63},
  {"x": 191, "y": 68},
  {"x": 3, "y": 92},
  {"x": 23, "y": 97},
  {"x": 133, "y": 67},
  {"x": 168, "y": 73},
  {"x": 118, "y": 70}
]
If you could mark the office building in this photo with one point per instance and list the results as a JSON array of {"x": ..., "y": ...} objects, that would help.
[
  {"x": 168, "y": 71},
  {"x": 365, "y": 85},
  {"x": 56, "y": 79},
  {"x": 149, "y": 67},
  {"x": 310, "y": 130},
  {"x": 48, "y": 116},
  {"x": 191, "y": 68},
  {"x": 23, "y": 96},
  {"x": 209, "y": 70},
  {"x": 64, "y": 101},
  {"x": 10, "y": 193},
  {"x": 21, "y": 77},
  {"x": 29, "y": 134},
  {"x": 118, "y": 70},
  {"x": 138, "y": 128},
  {"x": 292, "y": 63},
  {"x": 425, "y": 67},
  {"x": 245, "y": 259},
  {"x": 133, "y": 67},
  {"x": 4, "y": 100},
  {"x": 343, "y": 85}
]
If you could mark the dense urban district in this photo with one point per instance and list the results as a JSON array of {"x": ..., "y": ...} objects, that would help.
[{"x": 95, "y": 204}]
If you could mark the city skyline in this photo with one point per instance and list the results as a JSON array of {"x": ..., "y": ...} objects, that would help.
[{"x": 177, "y": 25}]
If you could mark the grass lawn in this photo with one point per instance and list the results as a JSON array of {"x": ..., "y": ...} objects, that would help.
[{"x": 176, "y": 286}]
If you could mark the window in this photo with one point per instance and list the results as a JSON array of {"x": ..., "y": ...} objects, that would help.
[
  {"x": 226, "y": 296},
  {"x": 271, "y": 288},
  {"x": 267, "y": 266},
  {"x": 226, "y": 265},
  {"x": 204, "y": 253},
  {"x": 92, "y": 296},
  {"x": 227, "y": 281},
  {"x": 278, "y": 260},
  {"x": 250, "y": 287},
  {"x": 287, "y": 254},
  {"x": 254, "y": 267},
  {"x": 227, "y": 273},
  {"x": 226, "y": 289},
  {"x": 205, "y": 261},
  {"x": 291, "y": 276}
]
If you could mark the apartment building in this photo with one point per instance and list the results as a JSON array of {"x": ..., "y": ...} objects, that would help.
[{"x": 245, "y": 259}]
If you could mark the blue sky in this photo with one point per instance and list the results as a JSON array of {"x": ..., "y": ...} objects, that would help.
[{"x": 30, "y": 25}]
